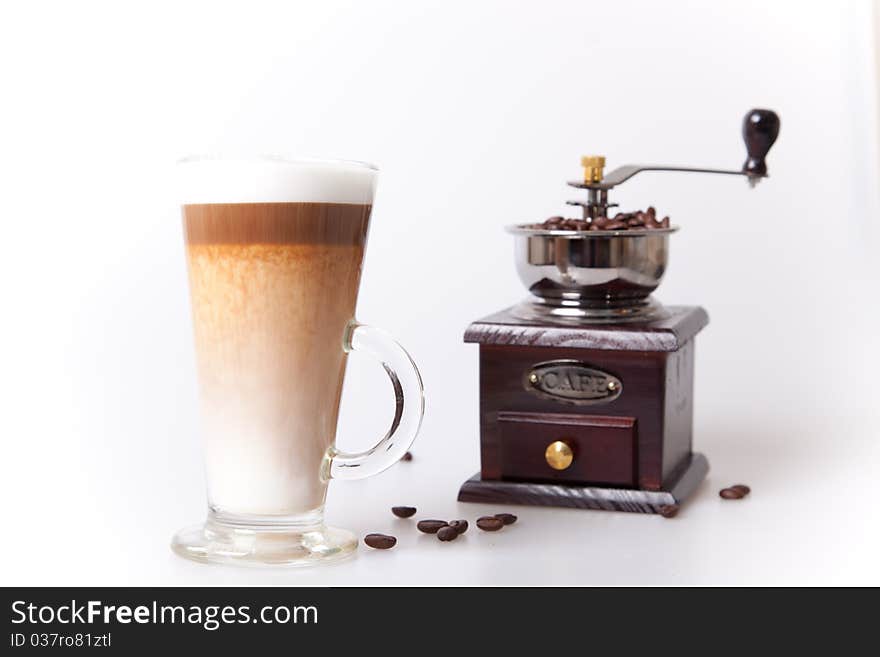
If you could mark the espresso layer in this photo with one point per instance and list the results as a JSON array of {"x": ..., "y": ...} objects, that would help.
[{"x": 276, "y": 223}]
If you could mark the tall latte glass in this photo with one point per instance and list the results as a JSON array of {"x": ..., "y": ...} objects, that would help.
[{"x": 274, "y": 250}]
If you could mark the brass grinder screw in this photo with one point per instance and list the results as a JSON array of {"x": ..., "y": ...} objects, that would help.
[{"x": 593, "y": 166}]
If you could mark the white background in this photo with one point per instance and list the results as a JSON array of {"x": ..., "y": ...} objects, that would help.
[{"x": 477, "y": 113}]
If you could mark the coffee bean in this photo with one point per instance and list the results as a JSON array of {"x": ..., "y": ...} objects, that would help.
[
  {"x": 742, "y": 488},
  {"x": 620, "y": 221},
  {"x": 431, "y": 526},
  {"x": 668, "y": 510},
  {"x": 490, "y": 523},
  {"x": 461, "y": 526},
  {"x": 403, "y": 511},
  {"x": 731, "y": 494},
  {"x": 380, "y": 541},
  {"x": 506, "y": 518},
  {"x": 447, "y": 533},
  {"x": 406, "y": 457}
]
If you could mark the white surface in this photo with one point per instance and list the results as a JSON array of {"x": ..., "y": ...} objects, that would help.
[
  {"x": 273, "y": 180},
  {"x": 476, "y": 113}
]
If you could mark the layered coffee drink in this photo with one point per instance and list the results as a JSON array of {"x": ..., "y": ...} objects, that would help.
[
  {"x": 274, "y": 249},
  {"x": 274, "y": 268}
]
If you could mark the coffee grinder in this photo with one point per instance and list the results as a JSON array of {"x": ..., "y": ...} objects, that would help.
[{"x": 586, "y": 387}]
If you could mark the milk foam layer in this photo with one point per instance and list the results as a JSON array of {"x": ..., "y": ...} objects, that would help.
[{"x": 274, "y": 180}]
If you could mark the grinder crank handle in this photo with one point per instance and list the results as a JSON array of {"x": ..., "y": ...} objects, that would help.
[{"x": 760, "y": 129}]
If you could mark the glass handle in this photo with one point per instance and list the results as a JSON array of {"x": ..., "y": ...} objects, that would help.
[{"x": 409, "y": 400}]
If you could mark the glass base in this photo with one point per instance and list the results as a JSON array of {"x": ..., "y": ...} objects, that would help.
[{"x": 260, "y": 545}]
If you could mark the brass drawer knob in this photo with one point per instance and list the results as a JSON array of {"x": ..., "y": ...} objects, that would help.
[{"x": 558, "y": 455}]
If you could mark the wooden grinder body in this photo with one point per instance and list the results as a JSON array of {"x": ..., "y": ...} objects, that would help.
[{"x": 629, "y": 451}]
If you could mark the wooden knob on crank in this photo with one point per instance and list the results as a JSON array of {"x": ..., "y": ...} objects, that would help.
[{"x": 760, "y": 129}]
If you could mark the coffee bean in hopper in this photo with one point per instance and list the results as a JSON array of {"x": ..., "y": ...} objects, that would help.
[
  {"x": 403, "y": 511},
  {"x": 447, "y": 533},
  {"x": 506, "y": 518},
  {"x": 431, "y": 526},
  {"x": 461, "y": 526},
  {"x": 380, "y": 541},
  {"x": 490, "y": 523}
]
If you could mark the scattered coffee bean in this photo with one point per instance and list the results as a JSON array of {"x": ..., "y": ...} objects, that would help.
[
  {"x": 380, "y": 541},
  {"x": 742, "y": 488},
  {"x": 447, "y": 533},
  {"x": 431, "y": 526},
  {"x": 506, "y": 518},
  {"x": 731, "y": 494},
  {"x": 403, "y": 511},
  {"x": 407, "y": 456},
  {"x": 461, "y": 526},
  {"x": 490, "y": 523},
  {"x": 668, "y": 510}
]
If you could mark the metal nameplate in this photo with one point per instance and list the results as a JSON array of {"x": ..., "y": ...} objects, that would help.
[{"x": 572, "y": 382}]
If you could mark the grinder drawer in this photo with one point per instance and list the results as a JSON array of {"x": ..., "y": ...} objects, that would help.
[{"x": 563, "y": 447}]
